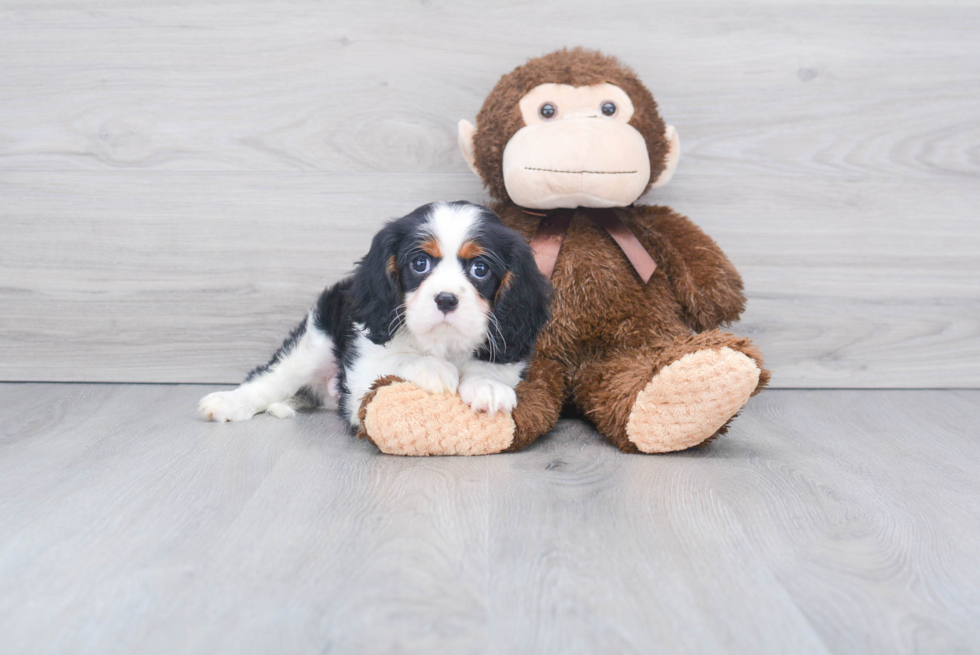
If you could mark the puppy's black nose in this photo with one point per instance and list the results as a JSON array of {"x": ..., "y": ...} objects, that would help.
[{"x": 446, "y": 302}]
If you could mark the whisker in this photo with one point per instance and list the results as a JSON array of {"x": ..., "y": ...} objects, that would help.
[
  {"x": 496, "y": 324},
  {"x": 493, "y": 345},
  {"x": 491, "y": 340},
  {"x": 397, "y": 321}
]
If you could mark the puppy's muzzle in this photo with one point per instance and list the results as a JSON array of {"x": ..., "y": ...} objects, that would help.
[{"x": 446, "y": 302}]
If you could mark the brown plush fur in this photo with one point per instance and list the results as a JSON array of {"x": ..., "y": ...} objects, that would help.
[
  {"x": 500, "y": 117},
  {"x": 610, "y": 334},
  {"x": 539, "y": 401}
]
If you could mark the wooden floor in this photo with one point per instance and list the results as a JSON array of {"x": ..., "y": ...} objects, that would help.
[{"x": 825, "y": 522}]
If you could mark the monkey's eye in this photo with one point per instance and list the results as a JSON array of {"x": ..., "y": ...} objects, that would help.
[
  {"x": 421, "y": 264},
  {"x": 479, "y": 270},
  {"x": 547, "y": 111},
  {"x": 608, "y": 109}
]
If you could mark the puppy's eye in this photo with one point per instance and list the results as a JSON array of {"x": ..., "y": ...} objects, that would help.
[
  {"x": 547, "y": 111},
  {"x": 608, "y": 109},
  {"x": 479, "y": 270},
  {"x": 421, "y": 264}
]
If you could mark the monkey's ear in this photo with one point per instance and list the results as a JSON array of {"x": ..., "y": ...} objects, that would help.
[
  {"x": 673, "y": 156},
  {"x": 466, "y": 132}
]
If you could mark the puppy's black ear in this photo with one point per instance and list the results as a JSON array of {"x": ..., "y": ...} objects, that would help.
[
  {"x": 376, "y": 290},
  {"x": 521, "y": 306}
]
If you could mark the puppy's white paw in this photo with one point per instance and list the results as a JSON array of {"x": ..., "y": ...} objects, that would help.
[
  {"x": 485, "y": 394},
  {"x": 432, "y": 374},
  {"x": 281, "y": 410},
  {"x": 224, "y": 406}
]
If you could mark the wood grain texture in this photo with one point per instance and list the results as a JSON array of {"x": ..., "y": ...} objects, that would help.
[
  {"x": 799, "y": 89},
  {"x": 825, "y": 522},
  {"x": 197, "y": 277},
  {"x": 177, "y": 179},
  {"x": 129, "y": 525}
]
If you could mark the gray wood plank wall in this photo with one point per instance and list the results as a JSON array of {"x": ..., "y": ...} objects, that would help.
[{"x": 177, "y": 180}]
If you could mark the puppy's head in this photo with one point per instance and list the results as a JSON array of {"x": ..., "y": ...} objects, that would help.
[{"x": 457, "y": 280}]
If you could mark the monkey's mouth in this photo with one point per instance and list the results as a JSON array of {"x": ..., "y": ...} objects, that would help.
[{"x": 555, "y": 170}]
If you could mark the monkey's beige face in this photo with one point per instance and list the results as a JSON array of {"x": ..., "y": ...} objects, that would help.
[{"x": 576, "y": 149}]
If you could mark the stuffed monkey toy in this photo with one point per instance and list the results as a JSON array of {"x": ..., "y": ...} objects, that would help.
[{"x": 566, "y": 144}]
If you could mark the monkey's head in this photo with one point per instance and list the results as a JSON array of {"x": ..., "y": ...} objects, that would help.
[{"x": 574, "y": 128}]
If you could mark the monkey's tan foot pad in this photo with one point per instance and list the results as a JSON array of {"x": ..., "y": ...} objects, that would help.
[
  {"x": 688, "y": 401},
  {"x": 402, "y": 419}
]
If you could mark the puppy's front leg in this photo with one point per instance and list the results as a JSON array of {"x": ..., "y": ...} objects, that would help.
[
  {"x": 489, "y": 388},
  {"x": 432, "y": 374}
]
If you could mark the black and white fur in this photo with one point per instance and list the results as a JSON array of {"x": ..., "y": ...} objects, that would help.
[{"x": 464, "y": 321}]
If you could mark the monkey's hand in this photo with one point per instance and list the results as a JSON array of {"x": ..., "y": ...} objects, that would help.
[{"x": 704, "y": 281}]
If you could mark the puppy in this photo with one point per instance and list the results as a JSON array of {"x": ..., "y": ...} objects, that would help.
[{"x": 447, "y": 298}]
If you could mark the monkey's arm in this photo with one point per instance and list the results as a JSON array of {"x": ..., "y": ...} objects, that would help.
[{"x": 705, "y": 283}]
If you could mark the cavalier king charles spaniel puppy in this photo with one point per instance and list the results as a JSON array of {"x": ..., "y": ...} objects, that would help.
[{"x": 447, "y": 298}]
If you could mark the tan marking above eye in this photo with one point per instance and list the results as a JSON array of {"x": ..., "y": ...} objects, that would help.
[
  {"x": 431, "y": 247},
  {"x": 392, "y": 266},
  {"x": 469, "y": 250}
]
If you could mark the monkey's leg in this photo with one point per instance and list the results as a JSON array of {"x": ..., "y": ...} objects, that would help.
[
  {"x": 670, "y": 396},
  {"x": 401, "y": 419},
  {"x": 540, "y": 397}
]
